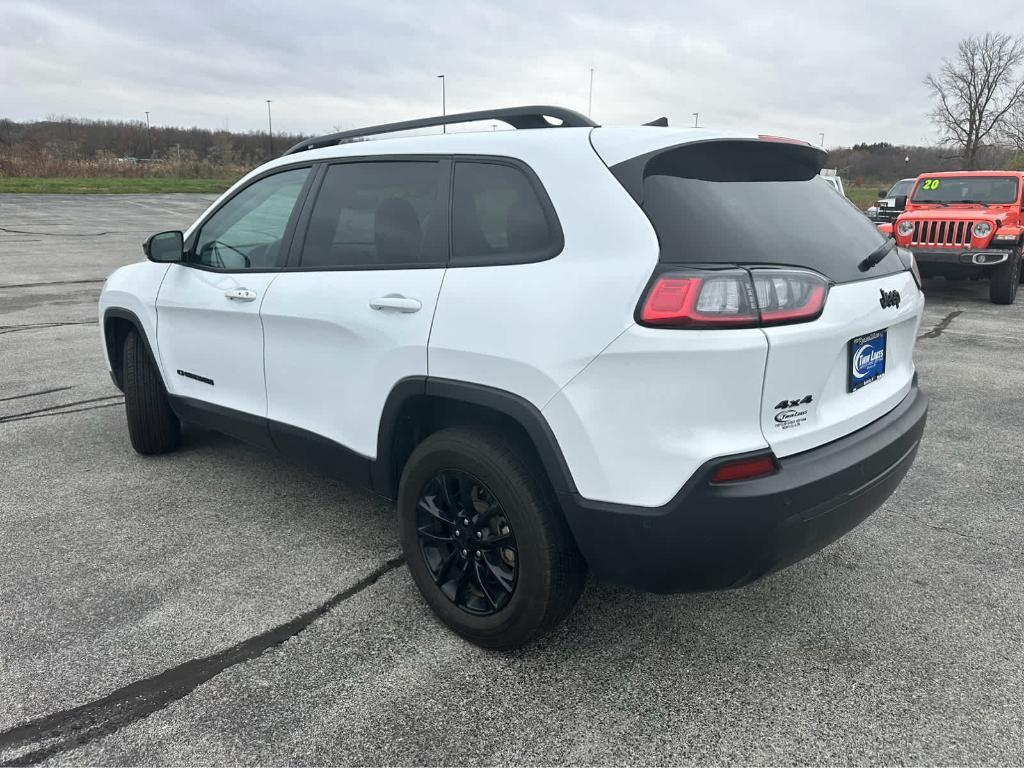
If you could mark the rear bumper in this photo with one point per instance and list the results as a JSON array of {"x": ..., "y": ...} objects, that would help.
[{"x": 721, "y": 536}]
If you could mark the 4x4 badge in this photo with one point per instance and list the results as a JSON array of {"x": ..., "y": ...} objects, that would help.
[{"x": 889, "y": 298}]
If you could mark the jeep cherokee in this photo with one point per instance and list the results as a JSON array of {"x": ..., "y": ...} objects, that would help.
[{"x": 674, "y": 357}]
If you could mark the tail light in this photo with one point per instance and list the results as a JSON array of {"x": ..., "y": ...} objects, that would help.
[
  {"x": 734, "y": 298},
  {"x": 744, "y": 469},
  {"x": 909, "y": 262}
]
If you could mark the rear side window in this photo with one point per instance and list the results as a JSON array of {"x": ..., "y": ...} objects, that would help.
[
  {"x": 754, "y": 202},
  {"x": 500, "y": 217},
  {"x": 380, "y": 214}
]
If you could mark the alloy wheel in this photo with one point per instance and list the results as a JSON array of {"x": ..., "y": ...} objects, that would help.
[{"x": 467, "y": 542}]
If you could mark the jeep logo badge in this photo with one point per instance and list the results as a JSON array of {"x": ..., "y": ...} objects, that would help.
[{"x": 889, "y": 299}]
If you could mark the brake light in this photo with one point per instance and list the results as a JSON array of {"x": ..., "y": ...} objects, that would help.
[
  {"x": 745, "y": 469},
  {"x": 699, "y": 302},
  {"x": 734, "y": 298},
  {"x": 784, "y": 140}
]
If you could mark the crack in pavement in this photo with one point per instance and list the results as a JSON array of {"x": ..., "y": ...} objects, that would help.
[
  {"x": 55, "y": 234},
  {"x": 54, "y": 282},
  {"x": 59, "y": 732},
  {"x": 34, "y": 394},
  {"x": 942, "y": 325},
  {"x": 959, "y": 534},
  {"x": 33, "y": 326},
  {"x": 59, "y": 408},
  {"x": 63, "y": 412}
]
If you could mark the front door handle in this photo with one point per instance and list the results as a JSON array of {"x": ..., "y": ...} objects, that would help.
[
  {"x": 396, "y": 302},
  {"x": 240, "y": 294}
]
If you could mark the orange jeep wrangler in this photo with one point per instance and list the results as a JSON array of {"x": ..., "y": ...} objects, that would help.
[{"x": 966, "y": 224}]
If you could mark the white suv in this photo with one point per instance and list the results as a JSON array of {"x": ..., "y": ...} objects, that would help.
[{"x": 674, "y": 356}]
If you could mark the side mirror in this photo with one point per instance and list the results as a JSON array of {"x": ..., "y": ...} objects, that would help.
[
  {"x": 881, "y": 192},
  {"x": 165, "y": 247},
  {"x": 900, "y": 201}
]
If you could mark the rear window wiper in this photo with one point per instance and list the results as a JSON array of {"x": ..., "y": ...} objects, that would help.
[{"x": 877, "y": 255}]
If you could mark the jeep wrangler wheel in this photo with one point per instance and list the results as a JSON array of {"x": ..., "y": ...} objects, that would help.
[
  {"x": 484, "y": 539},
  {"x": 1005, "y": 279},
  {"x": 152, "y": 425}
]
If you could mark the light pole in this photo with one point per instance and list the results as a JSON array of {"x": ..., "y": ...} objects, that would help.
[
  {"x": 444, "y": 109},
  {"x": 822, "y": 144},
  {"x": 590, "y": 97},
  {"x": 149, "y": 137},
  {"x": 695, "y": 114},
  {"x": 270, "y": 129}
]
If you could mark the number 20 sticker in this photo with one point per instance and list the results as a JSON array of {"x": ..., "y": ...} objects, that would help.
[{"x": 930, "y": 184}]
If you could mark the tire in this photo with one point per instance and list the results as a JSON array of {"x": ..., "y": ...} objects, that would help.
[
  {"x": 549, "y": 571},
  {"x": 152, "y": 426},
  {"x": 1005, "y": 279}
]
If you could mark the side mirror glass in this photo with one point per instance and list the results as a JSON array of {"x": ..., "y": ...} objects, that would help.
[
  {"x": 165, "y": 247},
  {"x": 881, "y": 192}
]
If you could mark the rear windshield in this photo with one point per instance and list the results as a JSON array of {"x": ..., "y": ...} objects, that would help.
[
  {"x": 753, "y": 202},
  {"x": 990, "y": 190}
]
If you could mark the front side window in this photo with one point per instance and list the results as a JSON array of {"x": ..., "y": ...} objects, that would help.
[
  {"x": 247, "y": 231},
  {"x": 379, "y": 215},
  {"x": 497, "y": 217}
]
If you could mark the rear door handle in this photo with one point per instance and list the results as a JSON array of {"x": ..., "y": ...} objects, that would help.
[
  {"x": 396, "y": 302},
  {"x": 240, "y": 294}
]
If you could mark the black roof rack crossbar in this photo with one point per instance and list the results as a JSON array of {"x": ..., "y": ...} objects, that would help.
[{"x": 517, "y": 117}]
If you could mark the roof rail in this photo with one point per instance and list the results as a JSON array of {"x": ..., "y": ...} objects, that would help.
[{"x": 517, "y": 117}]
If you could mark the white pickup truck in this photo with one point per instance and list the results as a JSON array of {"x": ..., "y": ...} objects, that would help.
[{"x": 830, "y": 175}]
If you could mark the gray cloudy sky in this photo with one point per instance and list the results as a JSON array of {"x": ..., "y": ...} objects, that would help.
[{"x": 851, "y": 69}]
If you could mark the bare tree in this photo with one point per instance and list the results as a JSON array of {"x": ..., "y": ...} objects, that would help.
[
  {"x": 1012, "y": 130},
  {"x": 976, "y": 91}
]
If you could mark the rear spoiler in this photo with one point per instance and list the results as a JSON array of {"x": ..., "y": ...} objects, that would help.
[{"x": 724, "y": 160}]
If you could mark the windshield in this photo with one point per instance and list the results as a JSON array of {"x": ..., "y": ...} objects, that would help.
[
  {"x": 756, "y": 203},
  {"x": 990, "y": 190},
  {"x": 901, "y": 187}
]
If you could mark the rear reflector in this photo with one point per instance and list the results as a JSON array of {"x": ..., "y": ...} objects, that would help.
[
  {"x": 733, "y": 298},
  {"x": 744, "y": 469}
]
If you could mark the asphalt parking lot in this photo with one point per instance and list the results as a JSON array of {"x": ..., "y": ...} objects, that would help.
[{"x": 139, "y": 596}]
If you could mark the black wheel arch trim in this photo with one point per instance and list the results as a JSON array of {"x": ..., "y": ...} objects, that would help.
[
  {"x": 517, "y": 408},
  {"x": 119, "y": 313}
]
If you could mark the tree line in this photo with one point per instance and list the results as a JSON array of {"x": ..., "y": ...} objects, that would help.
[
  {"x": 881, "y": 163},
  {"x": 978, "y": 98},
  {"x": 74, "y": 143}
]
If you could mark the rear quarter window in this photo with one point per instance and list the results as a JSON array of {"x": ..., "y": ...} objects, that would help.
[{"x": 500, "y": 215}]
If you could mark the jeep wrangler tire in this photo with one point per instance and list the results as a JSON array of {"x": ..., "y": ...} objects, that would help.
[
  {"x": 1005, "y": 279},
  {"x": 152, "y": 426},
  {"x": 484, "y": 538}
]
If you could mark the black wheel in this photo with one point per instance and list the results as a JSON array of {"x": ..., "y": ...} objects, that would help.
[
  {"x": 1004, "y": 280},
  {"x": 152, "y": 425},
  {"x": 484, "y": 539}
]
